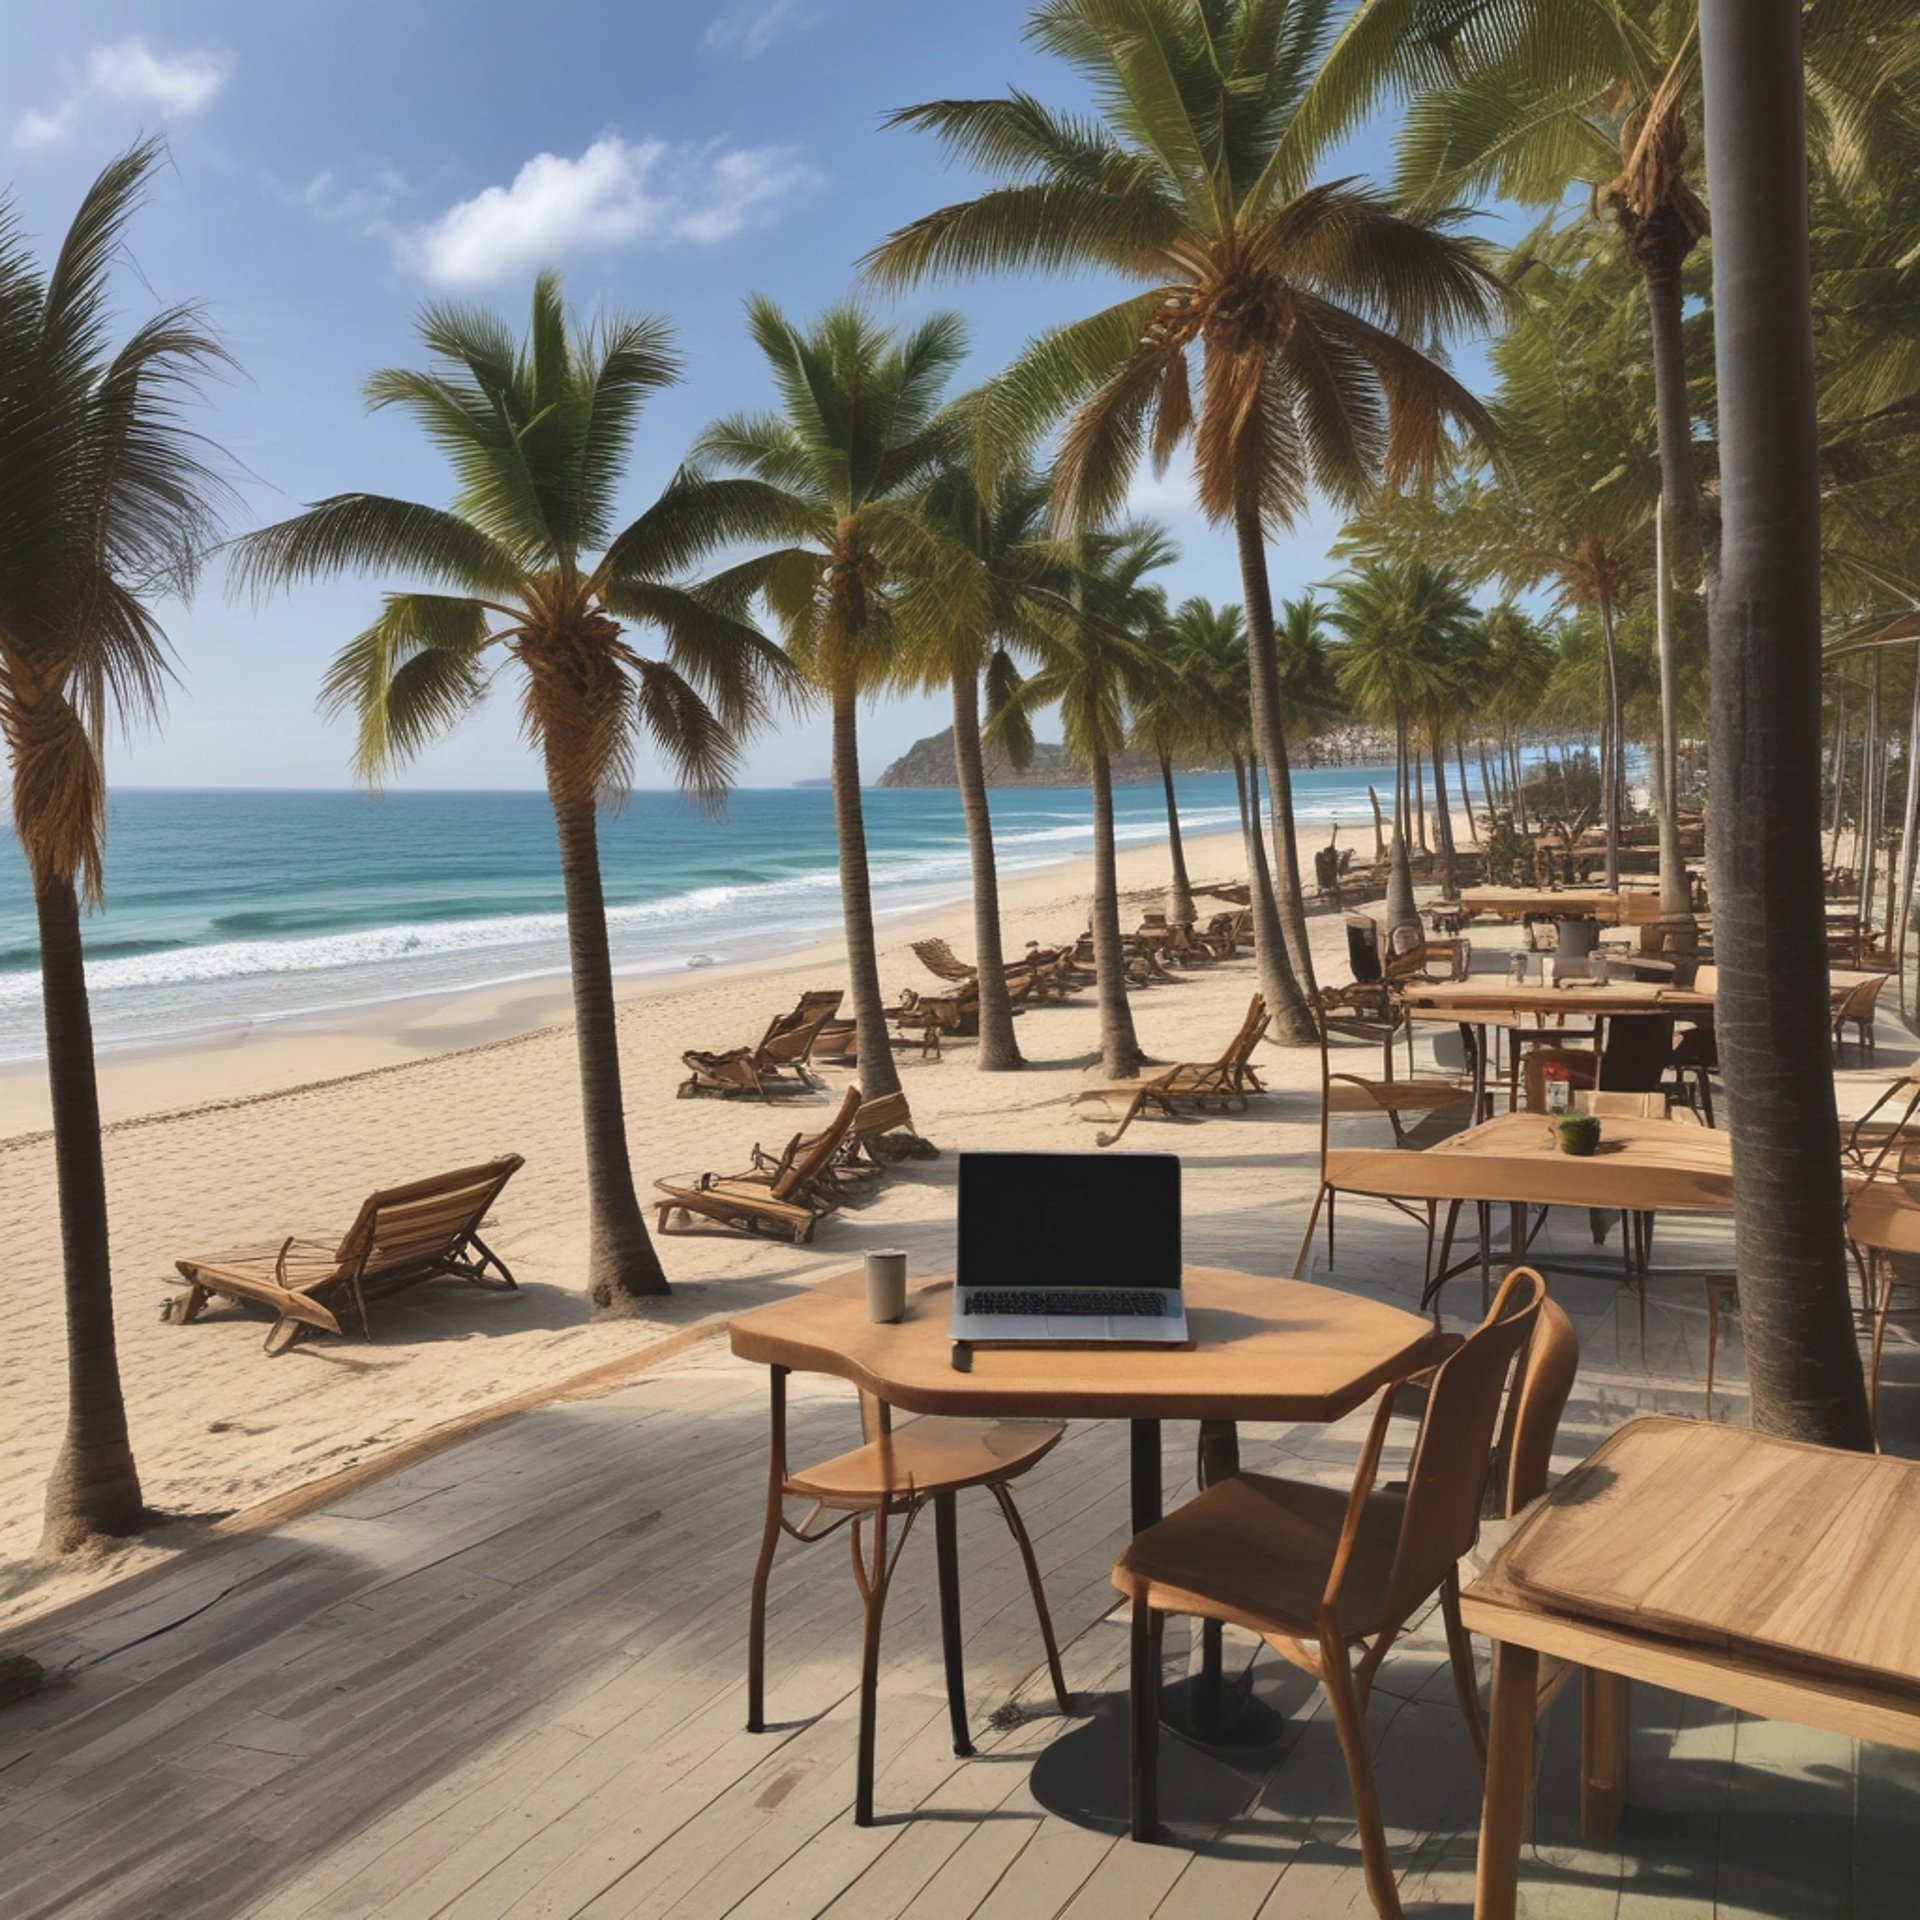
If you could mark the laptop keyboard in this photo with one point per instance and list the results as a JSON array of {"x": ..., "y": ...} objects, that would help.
[{"x": 1089, "y": 1302}]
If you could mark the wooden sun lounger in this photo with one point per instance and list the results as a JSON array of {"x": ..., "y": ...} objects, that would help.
[
  {"x": 777, "y": 1065},
  {"x": 786, "y": 1201},
  {"x": 943, "y": 963},
  {"x": 427, "y": 1230},
  {"x": 1225, "y": 1083}
]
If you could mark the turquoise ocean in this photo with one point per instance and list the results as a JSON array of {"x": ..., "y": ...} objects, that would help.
[{"x": 229, "y": 908}]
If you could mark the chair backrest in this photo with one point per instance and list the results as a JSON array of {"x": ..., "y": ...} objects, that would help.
[
  {"x": 1447, "y": 1481},
  {"x": 792, "y": 1035},
  {"x": 1582, "y": 1067},
  {"x": 1363, "y": 946},
  {"x": 1534, "y": 1406},
  {"x": 1240, "y": 1048},
  {"x": 1620, "y": 1106},
  {"x": 1856, "y": 1146},
  {"x": 1861, "y": 998},
  {"x": 881, "y": 1115},
  {"x": 807, "y": 1165},
  {"x": 1638, "y": 1052},
  {"x": 940, "y": 959},
  {"x": 425, "y": 1222}
]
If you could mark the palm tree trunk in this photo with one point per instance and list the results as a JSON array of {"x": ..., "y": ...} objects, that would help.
[
  {"x": 878, "y": 1073},
  {"x": 1488, "y": 798},
  {"x": 1466, "y": 798},
  {"x": 1180, "y": 893},
  {"x": 1240, "y": 793},
  {"x": 94, "y": 1488},
  {"x": 622, "y": 1264},
  {"x": 1518, "y": 763},
  {"x": 1286, "y": 976},
  {"x": 1419, "y": 777},
  {"x": 1676, "y": 899},
  {"x": 1120, "y": 1054},
  {"x": 1443, "y": 820},
  {"x": 1661, "y": 254},
  {"x": 999, "y": 1051},
  {"x": 1839, "y": 778},
  {"x": 1771, "y": 1017},
  {"x": 1871, "y": 747},
  {"x": 1401, "y": 912},
  {"x": 1379, "y": 832},
  {"x": 1611, "y": 786}
]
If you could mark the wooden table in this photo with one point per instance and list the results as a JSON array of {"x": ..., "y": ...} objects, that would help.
[
  {"x": 1281, "y": 1350},
  {"x": 1778, "y": 1579},
  {"x": 1623, "y": 907}
]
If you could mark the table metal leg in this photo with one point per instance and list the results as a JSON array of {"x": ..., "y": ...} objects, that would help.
[
  {"x": 1147, "y": 1505},
  {"x": 1503, "y": 1816}
]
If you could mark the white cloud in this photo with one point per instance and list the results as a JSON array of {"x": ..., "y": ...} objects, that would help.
[
  {"x": 366, "y": 207},
  {"x": 617, "y": 193},
  {"x": 130, "y": 74},
  {"x": 750, "y": 27},
  {"x": 175, "y": 85}
]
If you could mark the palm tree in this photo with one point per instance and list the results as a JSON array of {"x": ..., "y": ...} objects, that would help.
[
  {"x": 1093, "y": 664},
  {"x": 526, "y": 566},
  {"x": 1398, "y": 620},
  {"x": 993, "y": 574},
  {"x": 106, "y": 498},
  {"x": 856, "y": 438},
  {"x": 1310, "y": 308},
  {"x": 1769, "y": 933},
  {"x": 1520, "y": 660}
]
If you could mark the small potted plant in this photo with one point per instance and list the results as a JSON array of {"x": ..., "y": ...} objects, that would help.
[{"x": 1579, "y": 1133}]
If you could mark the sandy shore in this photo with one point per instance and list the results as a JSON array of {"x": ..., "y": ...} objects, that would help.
[{"x": 287, "y": 1129}]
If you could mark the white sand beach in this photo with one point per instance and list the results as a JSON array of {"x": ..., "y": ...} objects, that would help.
[{"x": 286, "y": 1131}]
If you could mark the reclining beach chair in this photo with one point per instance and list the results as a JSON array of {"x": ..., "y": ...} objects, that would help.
[
  {"x": 943, "y": 963},
  {"x": 1225, "y": 1083},
  {"x": 784, "y": 1200},
  {"x": 427, "y": 1230},
  {"x": 777, "y": 1065}
]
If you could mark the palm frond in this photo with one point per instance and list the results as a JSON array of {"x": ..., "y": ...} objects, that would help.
[
  {"x": 362, "y": 532},
  {"x": 411, "y": 676}
]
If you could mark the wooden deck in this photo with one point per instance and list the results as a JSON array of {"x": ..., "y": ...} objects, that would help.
[{"x": 509, "y": 1681}]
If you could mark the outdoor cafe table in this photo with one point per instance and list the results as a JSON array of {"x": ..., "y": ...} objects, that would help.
[
  {"x": 1627, "y": 906},
  {"x": 1278, "y": 1350},
  {"x": 1262, "y": 1349},
  {"x": 1777, "y": 1579},
  {"x": 1492, "y": 1000}
]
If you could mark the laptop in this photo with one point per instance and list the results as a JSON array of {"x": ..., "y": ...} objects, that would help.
[{"x": 1069, "y": 1249}]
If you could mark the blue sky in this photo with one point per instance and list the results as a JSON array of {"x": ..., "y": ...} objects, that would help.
[{"x": 338, "y": 162}]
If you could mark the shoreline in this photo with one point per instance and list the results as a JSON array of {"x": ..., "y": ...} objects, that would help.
[{"x": 259, "y": 1058}]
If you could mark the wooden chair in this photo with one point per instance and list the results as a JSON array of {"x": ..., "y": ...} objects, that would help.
[
  {"x": 1855, "y": 1006},
  {"x": 1868, "y": 1140},
  {"x": 1226, "y": 1083},
  {"x": 786, "y": 1201},
  {"x": 1435, "y": 1107},
  {"x": 1323, "y": 1576},
  {"x": 893, "y": 1474},
  {"x": 776, "y": 1065},
  {"x": 402, "y": 1236}
]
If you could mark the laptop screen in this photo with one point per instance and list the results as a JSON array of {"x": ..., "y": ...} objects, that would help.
[{"x": 1069, "y": 1220}]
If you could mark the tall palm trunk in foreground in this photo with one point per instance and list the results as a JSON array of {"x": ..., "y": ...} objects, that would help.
[
  {"x": 617, "y": 1230},
  {"x": 1772, "y": 1015},
  {"x": 999, "y": 1051},
  {"x": 878, "y": 1074},
  {"x": 94, "y": 1487},
  {"x": 106, "y": 500}
]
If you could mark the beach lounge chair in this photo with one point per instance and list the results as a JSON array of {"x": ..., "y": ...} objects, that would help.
[
  {"x": 784, "y": 1201},
  {"x": 427, "y": 1230},
  {"x": 943, "y": 963},
  {"x": 1224, "y": 1083},
  {"x": 777, "y": 1065}
]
